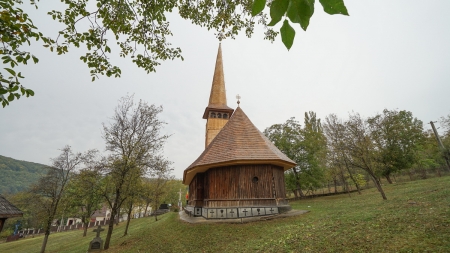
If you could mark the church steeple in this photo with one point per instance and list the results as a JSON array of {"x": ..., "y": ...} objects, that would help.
[
  {"x": 218, "y": 96},
  {"x": 217, "y": 112}
]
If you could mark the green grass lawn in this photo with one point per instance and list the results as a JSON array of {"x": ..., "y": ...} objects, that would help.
[{"x": 360, "y": 223}]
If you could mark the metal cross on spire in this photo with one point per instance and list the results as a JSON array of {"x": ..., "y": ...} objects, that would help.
[{"x": 238, "y": 97}]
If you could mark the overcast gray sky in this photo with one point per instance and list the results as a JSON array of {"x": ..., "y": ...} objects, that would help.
[{"x": 387, "y": 54}]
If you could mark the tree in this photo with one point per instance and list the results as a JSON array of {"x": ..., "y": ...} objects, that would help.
[
  {"x": 16, "y": 30},
  {"x": 306, "y": 146},
  {"x": 338, "y": 157},
  {"x": 397, "y": 136},
  {"x": 287, "y": 137},
  {"x": 140, "y": 30},
  {"x": 133, "y": 140},
  {"x": 173, "y": 187},
  {"x": 314, "y": 152},
  {"x": 85, "y": 193},
  {"x": 361, "y": 150},
  {"x": 50, "y": 189},
  {"x": 159, "y": 177}
]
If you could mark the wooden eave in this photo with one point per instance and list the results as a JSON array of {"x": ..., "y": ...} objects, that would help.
[{"x": 189, "y": 174}]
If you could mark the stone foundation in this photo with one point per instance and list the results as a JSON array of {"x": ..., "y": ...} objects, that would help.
[{"x": 233, "y": 212}]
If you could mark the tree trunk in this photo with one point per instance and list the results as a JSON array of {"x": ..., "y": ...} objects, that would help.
[
  {"x": 85, "y": 228},
  {"x": 156, "y": 208},
  {"x": 410, "y": 175},
  {"x": 110, "y": 229},
  {"x": 297, "y": 183},
  {"x": 44, "y": 243},
  {"x": 329, "y": 188},
  {"x": 128, "y": 220},
  {"x": 335, "y": 185},
  {"x": 300, "y": 192},
  {"x": 344, "y": 182},
  {"x": 355, "y": 182},
  {"x": 111, "y": 221},
  {"x": 388, "y": 178},
  {"x": 352, "y": 178},
  {"x": 146, "y": 208},
  {"x": 47, "y": 233},
  {"x": 379, "y": 188},
  {"x": 438, "y": 171}
]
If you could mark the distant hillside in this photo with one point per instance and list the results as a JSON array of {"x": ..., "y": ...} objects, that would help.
[{"x": 18, "y": 175}]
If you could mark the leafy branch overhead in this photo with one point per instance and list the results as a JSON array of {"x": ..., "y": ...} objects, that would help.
[
  {"x": 295, "y": 11},
  {"x": 136, "y": 29}
]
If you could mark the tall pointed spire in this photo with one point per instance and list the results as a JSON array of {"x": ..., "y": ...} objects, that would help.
[{"x": 218, "y": 96}]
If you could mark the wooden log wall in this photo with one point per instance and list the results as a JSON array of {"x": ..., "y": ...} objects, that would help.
[
  {"x": 196, "y": 190},
  {"x": 240, "y": 185}
]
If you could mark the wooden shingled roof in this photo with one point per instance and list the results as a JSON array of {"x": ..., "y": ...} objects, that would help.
[
  {"x": 8, "y": 210},
  {"x": 239, "y": 142}
]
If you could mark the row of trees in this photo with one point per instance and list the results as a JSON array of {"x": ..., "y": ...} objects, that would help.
[
  {"x": 356, "y": 149},
  {"x": 133, "y": 172}
]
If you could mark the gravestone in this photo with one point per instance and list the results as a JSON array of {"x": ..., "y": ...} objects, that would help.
[{"x": 97, "y": 243}]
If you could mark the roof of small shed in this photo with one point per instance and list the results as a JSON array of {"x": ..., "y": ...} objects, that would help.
[
  {"x": 239, "y": 142},
  {"x": 8, "y": 210}
]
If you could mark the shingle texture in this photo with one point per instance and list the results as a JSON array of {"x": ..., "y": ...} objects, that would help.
[
  {"x": 8, "y": 210},
  {"x": 240, "y": 140}
]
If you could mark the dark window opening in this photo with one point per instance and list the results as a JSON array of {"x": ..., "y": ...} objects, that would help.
[
  {"x": 255, "y": 180},
  {"x": 213, "y": 115},
  {"x": 219, "y": 115},
  {"x": 225, "y": 115}
]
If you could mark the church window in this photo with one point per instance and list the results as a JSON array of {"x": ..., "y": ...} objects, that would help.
[
  {"x": 225, "y": 115},
  {"x": 213, "y": 115},
  {"x": 219, "y": 115}
]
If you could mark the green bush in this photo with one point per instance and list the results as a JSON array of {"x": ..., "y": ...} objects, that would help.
[{"x": 6, "y": 232}]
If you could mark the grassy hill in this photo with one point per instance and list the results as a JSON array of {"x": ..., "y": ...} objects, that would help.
[
  {"x": 18, "y": 175},
  {"x": 415, "y": 218}
]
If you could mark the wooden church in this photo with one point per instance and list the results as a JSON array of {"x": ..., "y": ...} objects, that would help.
[{"x": 240, "y": 173}]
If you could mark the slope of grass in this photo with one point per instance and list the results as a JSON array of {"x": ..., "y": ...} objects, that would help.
[{"x": 415, "y": 218}]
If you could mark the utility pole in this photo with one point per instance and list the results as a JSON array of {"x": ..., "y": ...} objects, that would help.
[{"x": 440, "y": 144}]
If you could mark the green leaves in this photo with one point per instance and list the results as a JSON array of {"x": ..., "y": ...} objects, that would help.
[
  {"x": 258, "y": 6},
  {"x": 334, "y": 7},
  {"x": 287, "y": 34},
  {"x": 277, "y": 11},
  {"x": 16, "y": 31},
  {"x": 301, "y": 11},
  {"x": 298, "y": 11}
]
